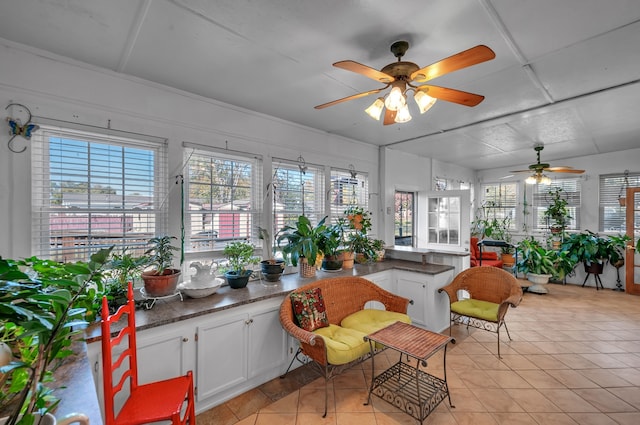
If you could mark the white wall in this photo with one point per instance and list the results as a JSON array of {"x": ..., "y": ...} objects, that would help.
[{"x": 61, "y": 89}]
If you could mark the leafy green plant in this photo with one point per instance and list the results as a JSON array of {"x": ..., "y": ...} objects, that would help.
[
  {"x": 160, "y": 253},
  {"x": 359, "y": 219},
  {"x": 302, "y": 240},
  {"x": 122, "y": 268},
  {"x": 589, "y": 248},
  {"x": 362, "y": 244},
  {"x": 41, "y": 312},
  {"x": 240, "y": 255},
  {"x": 329, "y": 240},
  {"x": 534, "y": 258},
  {"x": 558, "y": 211}
]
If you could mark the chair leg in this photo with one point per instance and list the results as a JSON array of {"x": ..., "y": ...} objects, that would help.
[
  {"x": 326, "y": 389},
  {"x": 507, "y": 329},
  {"x": 295, "y": 356}
]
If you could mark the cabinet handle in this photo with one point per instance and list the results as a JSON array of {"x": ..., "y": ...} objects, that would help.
[
  {"x": 248, "y": 322},
  {"x": 185, "y": 339}
]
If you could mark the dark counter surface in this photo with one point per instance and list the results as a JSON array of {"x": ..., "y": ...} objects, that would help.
[{"x": 79, "y": 394}]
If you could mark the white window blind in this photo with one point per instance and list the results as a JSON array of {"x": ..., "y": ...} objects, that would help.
[
  {"x": 571, "y": 192},
  {"x": 612, "y": 215},
  {"x": 499, "y": 201},
  {"x": 348, "y": 189},
  {"x": 91, "y": 190},
  {"x": 298, "y": 192},
  {"x": 223, "y": 199}
]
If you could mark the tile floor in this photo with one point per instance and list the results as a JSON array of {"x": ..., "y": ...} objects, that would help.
[{"x": 574, "y": 359}]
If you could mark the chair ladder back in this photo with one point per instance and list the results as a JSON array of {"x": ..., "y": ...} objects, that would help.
[{"x": 127, "y": 334}]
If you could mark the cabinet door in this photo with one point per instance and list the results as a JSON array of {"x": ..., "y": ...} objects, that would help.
[
  {"x": 162, "y": 355},
  {"x": 413, "y": 287},
  {"x": 438, "y": 303},
  {"x": 221, "y": 355},
  {"x": 382, "y": 279},
  {"x": 267, "y": 343}
]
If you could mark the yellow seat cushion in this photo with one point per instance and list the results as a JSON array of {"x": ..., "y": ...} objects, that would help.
[
  {"x": 371, "y": 320},
  {"x": 343, "y": 345},
  {"x": 476, "y": 308}
]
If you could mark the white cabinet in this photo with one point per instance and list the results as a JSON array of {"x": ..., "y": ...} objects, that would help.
[
  {"x": 234, "y": 349},
  {"x": 229, "y": 352},
  {"x": 413, "y": 286},
  {"x": 385, "y": 279},
  {"x": 429, "y": 309}
]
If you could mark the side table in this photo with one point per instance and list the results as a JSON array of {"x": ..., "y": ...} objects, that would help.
[{"x": 409, "y": 388}]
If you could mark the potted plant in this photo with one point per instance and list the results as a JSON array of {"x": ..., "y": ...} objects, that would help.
[
  {"x": 42, "y": 314},
  {"x": 122, "y": 268},
  {"x": 536, "y": 262},
  {"x": 162, "y": 280},
  {"x": 378, "y": 246},
  {"x": 557, "y": 213},
  {"x": 359, "y": 219},
  {"x": 240, "y": 255},
  {"x": 618, "y": 247},
  {"x": 302, "y": 244},
  {"x": 594, "y": 251},
  {"x": 364, "y": 248},
  {"x": 329, "y": 245},
  {"x": 271, "y": 268}
]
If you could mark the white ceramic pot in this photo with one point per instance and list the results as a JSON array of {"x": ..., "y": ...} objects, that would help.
[{"x": 539, "y": 281}]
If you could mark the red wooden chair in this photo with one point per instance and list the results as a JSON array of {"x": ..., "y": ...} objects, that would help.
[{"x": 152, "y": 402}]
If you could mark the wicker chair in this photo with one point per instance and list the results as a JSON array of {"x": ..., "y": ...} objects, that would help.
[
  {"x": 342, "y": 297},
  {"x": 491, "y": 290}
]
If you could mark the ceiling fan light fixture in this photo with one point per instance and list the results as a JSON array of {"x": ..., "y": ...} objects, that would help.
[
  {"x": 424, "y": 101},
  {"x": 531, "y": 180},
  {"x": 403, "y": 114},
  {"x": 375, "y": 109},
  {"x": 395, "y": 99}
]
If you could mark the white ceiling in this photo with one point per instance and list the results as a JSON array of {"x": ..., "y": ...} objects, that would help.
[{"x": 566, "y": 72}]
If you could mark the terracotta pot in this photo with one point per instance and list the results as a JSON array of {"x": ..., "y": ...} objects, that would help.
[
  {"x": 160, "y": 285},
  {"x": 508, "y": 260},
  {"x": 348, "y": 258}
]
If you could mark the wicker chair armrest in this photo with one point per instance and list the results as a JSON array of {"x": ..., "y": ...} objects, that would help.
[
  {"x": 451, "y": 290},
  {"x": 395, "y": 303},
  {"x": 513, "y": 300}
]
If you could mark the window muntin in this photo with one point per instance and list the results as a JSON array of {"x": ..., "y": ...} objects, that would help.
[
  {"x": 348, "y": 188},
  {"x": 612, "y": 215},
  {"x": 298, "y": 191},
  {"x": 223, "y": 199},
  {"x": 571, "y": 191},
  {"x": 92, "y": 190}
]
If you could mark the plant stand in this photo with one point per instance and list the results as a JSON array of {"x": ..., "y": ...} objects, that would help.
[
  {"x": 618, "y": 287},
  {"x": 149, "y": 301},
  {"x": 596, "y": 277}
]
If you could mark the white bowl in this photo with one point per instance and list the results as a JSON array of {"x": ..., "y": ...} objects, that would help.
[{"x": 199, "y": 290}]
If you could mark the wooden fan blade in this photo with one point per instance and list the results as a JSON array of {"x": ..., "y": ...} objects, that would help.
[
  {"x": 520, "y": 171},
  {"x": 389, "y": 117},
  {"x": 452, "y": 95},
  {"x": 561, "y": 169},
  {"x": 344, "y": 99},
  {"x": 365, "y": 70},
  {"x": 472, "y": 56}
]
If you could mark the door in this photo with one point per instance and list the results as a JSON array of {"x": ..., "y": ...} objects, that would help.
[{"x": 632, "y": 259}]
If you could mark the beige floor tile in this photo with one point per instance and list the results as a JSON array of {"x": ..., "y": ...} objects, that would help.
[
  {"x": 606, "y": 361},
  {"x": 508, "y": 379},
  {"x": 573, "y": 378},
  {"x": 568, "y": 401},
  {"x": 510, "y": 418},
  {"x": 392, "y": 418},
  {"x": 316, "y": 419},
  {"x": 276, "y": 419},
  {"x": 478, "y": 379},
  {"x": 249, "y": 420},
  {"x": 474, "y": 418},
  {"x": 219, "y": 415},
  {"x": 546, "y": 361},
  {"x": 553, "y": 418},
  {"x": 540, "y": 379},
  {"x": 592, "y": 419},
  {"x": 575, "y": 361},
  {"x": 631, "y": 418},
  {"x": 311, "y": 400},
  {"x": 605, "y": 378},
  {"x": 352, "y": 400},
  {"x": 465, "y": 400},
  {"x": 532, "y": 400},
  {"x": 516, "y": 362},
  {"x": 497, "y": 400},
  {"x": 248, "y": 403},
  {"x": 630, "y": 395},
  {"x": 629, "y": 374},
  {"x": 287, "y": 404},
  {"x": 351, "y": 418},
  {"x": 604, "y": 401}
]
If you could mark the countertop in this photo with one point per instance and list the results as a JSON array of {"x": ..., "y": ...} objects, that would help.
[{"x": 79, "y": 394}]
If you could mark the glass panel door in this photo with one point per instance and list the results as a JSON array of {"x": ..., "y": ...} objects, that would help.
[{"x": 632, "y": 259}]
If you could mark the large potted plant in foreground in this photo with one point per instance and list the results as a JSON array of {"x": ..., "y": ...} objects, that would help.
[
  {"x": 537, "y": 263},
  {"x": 302, "y": 244},
  {"x": 162, "y": 280},
  {"x": 595, "y": 251},
  {"x": 42, "y": 312},
  {"x": 240, "y": 255}
]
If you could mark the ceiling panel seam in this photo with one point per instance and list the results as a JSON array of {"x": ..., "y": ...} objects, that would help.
[{"x": 133, "y": 34}]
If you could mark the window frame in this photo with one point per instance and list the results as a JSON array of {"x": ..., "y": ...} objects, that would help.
[
  {"x": 246, "y": 218},
  {"x": 608, "y": 195},
  {"x": 77, "y": 142},
  {"x": 539, "y": 203},
  {"x": 360, "y": 197}
]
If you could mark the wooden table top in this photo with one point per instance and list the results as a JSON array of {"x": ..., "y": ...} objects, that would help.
[{"x": 411, "y": 340}]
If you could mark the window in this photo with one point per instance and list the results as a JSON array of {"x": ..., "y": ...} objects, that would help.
[
  {"x": 299, "y": 190},
  {"x": 443, "y": 220},
  {"x": 612, "y": 186},
  {"x": 403, "y": 226},
  {"x": 541, "y": 200},
  {"x": 499, "y": 201},
  {"x": 224, "y": 199},
  {"x": 93, "y": 190},
  {"x": 348, "y": 188}
]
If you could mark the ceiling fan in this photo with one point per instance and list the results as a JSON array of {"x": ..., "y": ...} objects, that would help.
[
  {"x": 539, "y": 167},
  {"x": 401, "y": 76}
]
